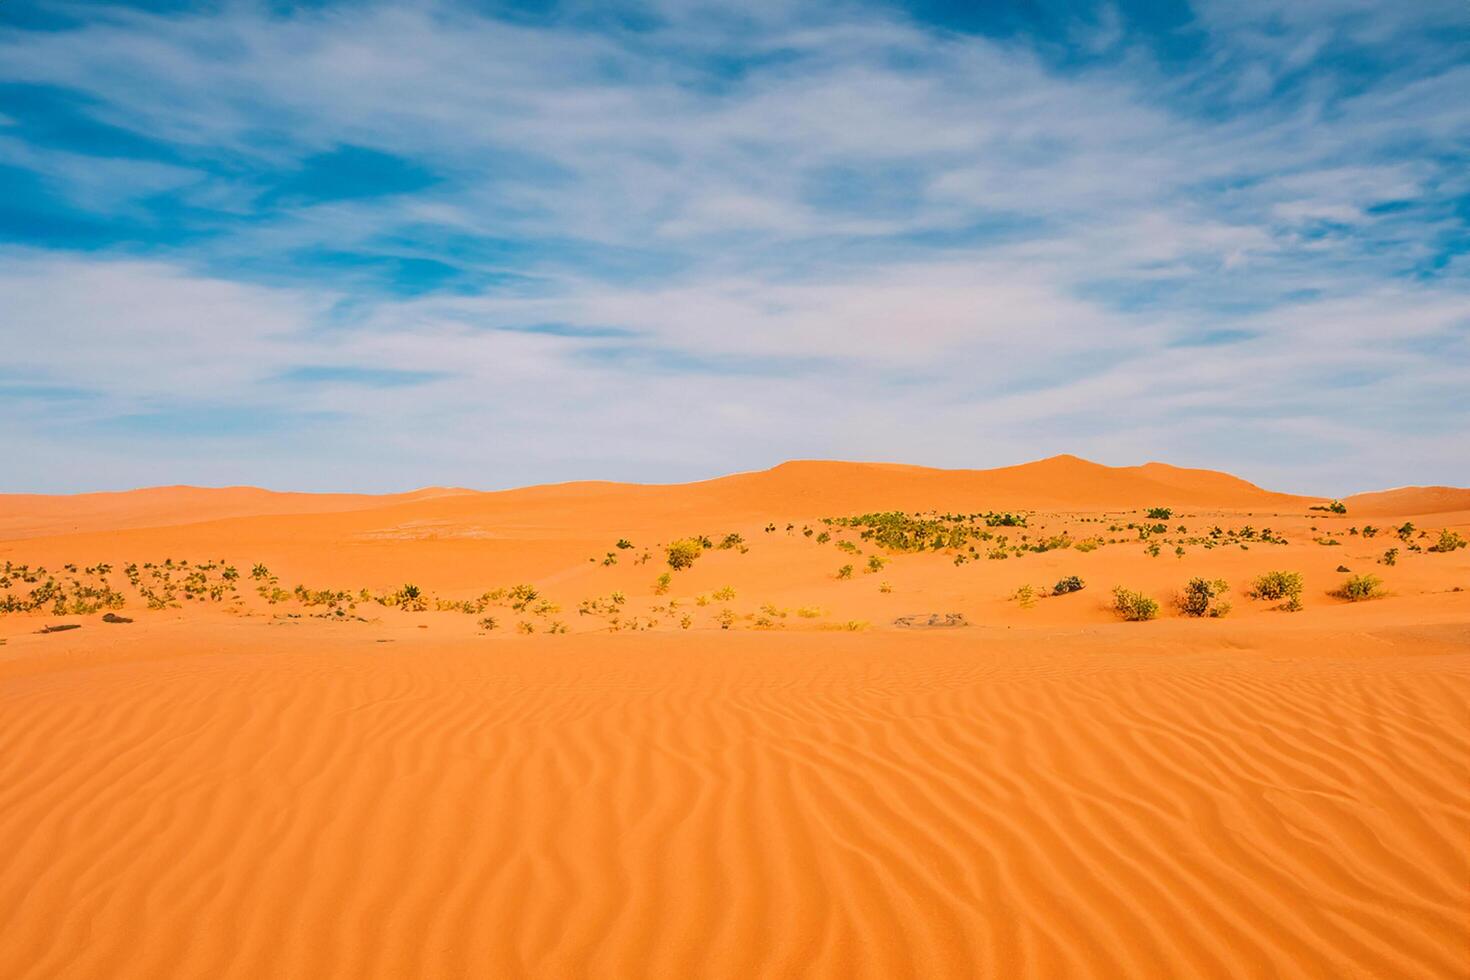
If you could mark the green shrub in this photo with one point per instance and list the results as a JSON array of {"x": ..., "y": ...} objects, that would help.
[
  {"x": 724, "y": 594},
  {"x": 876, "y": 563},
  {"x": 411, "y": 598},
  {"x": 845, "y": 571},
  {"x": 1159, "y": 513},
  {"x": 1201, "y": 597},
  {"x": 662, "y": 583},
  {"x": 1282, "y": 587},
  {"x": 1025, "y": 596},
  {"x": 682, "y": 553},
  {"x": 1448, "y": 541},
  {"x": 1390, "y": 557},
  {"x": 1069, "y": 584},
  {"x": 1134, "y": 606},
  {"x": 1356, "y": 588}
]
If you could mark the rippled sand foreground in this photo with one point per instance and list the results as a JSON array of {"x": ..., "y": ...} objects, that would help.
[{"x": 247, "y": 801}]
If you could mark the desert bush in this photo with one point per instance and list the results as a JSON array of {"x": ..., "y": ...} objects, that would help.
[
  {"x": 1159, "y": 513},
  {"x": 1069, "y": 584},
  {"x": 488, "y": 623},
  {"x": 1134, "y": 606},
  {"x": 1282, "y": 587},
  {"x": 1356, "y": 588},
  {"x": 1448, "y": 541},
  {"x": 521, "y": 596},
  {"x": 1405, "y": 530},
  {"x": 876, "y": 563},
  {"x": 1201, "y": 597},
  {"x": 1025, "y": 596},
  {"x": 810, "y": 612},
  {"x": 885, "y": 587},
  {"x": 624, "y": 544},
  {"x": 682, "y": 553},
  {"x": 662, "y": 583},
  {"x": 724, "y": 594},
  {"x": 1390, "y": 557},
  {"x": 726, "y": 618},
  {"x": 845, "y": 571}
]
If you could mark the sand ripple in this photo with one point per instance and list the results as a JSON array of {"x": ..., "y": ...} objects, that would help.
[{"x": 196, "y": 804}]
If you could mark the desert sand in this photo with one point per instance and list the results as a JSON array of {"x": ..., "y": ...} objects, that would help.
[{"x": 765, "y": 767}]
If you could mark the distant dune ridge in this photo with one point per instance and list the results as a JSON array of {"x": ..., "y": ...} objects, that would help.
[
  {"x": 780, "y": 761},
  {"x": 1058, "y": 482}
]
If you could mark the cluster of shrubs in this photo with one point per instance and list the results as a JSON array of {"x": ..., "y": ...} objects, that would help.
[
  {"x": 898, "y": 531},
  {"x": 1202, "y": 597},
  {"x": 683, "y": 552}
]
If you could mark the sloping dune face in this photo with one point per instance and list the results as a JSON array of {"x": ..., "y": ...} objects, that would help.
[
  {"x": 559, "y": 756},
  {"x": 34, "y": 515},
  {"x": 1411, "y": 500}
]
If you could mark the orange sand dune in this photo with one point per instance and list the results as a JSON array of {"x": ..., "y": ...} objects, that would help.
[
  {"x": 759, "y": 767},
  {"x": 1060, "y": 482},
  {"x": 1410, "y": 500},
  {"x": 32, "y": 515}
]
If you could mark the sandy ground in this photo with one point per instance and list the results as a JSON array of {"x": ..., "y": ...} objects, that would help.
[{"x": 246, "y": 788}]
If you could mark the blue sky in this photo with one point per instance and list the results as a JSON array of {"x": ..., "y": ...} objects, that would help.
[{"x": 373, "y": 246}]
